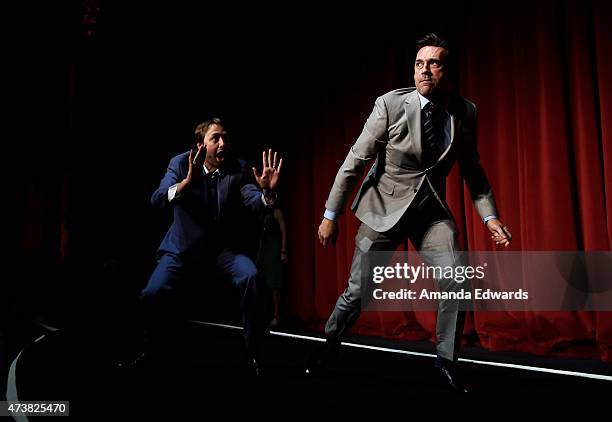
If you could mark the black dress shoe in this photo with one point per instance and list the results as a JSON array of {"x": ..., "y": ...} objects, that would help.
[
  {"x": 321, "y": 359},
  {"x": 254, "y": 368},
  {"x": 133, "y": 351},
  {"x": 131, "y": 360},
  {"x": 447, "y": 376}
]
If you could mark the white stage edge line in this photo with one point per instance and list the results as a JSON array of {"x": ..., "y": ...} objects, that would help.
[{"x": 407, "y": 352}]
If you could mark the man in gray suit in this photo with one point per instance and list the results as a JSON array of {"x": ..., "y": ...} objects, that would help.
[{"x": 415, "y": 135}]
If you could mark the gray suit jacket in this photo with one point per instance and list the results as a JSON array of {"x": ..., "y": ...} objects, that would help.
[{"x": 392, "y": 137}]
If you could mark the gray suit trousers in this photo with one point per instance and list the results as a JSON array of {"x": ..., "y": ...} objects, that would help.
[{"x": 433, "y": 233}]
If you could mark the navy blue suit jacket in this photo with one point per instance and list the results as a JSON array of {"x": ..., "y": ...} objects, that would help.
[{"x": 192, "y": 230}]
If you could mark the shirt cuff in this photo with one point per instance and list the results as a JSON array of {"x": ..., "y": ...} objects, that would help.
[
  {"x": 172, "y": 192},
  {"x": 330, "y": 215},
  {"x": 269, "y": 200},
  {"x": 489, "y": 217}
]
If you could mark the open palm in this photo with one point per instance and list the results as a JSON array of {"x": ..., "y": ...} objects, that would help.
[{"x": 270, "y": 173}]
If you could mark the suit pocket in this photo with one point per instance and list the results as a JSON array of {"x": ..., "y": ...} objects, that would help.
[{"x": 386, "y": 186}]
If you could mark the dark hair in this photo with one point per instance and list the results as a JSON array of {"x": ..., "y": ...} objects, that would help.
[
  {"x": 202, "y": 128},
  {"x": 433, "y": 40}
]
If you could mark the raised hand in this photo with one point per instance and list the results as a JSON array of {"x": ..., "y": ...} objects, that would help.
[
  {"x": 196, "y": 161},
  {"x": 270, "y": 173}
]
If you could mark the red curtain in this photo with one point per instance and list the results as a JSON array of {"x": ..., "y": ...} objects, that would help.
[{"x": 539, "y": 77}]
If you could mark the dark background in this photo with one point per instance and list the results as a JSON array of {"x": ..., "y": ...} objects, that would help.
[{"x": 106, "y": 92}]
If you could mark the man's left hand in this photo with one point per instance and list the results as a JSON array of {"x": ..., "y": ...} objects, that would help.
[
  {"x": 270, "y": 173},
  {"x": 499, "y": 232}
]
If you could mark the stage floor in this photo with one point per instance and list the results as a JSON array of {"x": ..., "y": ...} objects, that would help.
[{"x": 200, "y": 373}]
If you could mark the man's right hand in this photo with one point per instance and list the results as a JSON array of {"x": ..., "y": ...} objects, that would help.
[
  {"x": 196, "y": 161},
  {"x": 328, "y": 231}
]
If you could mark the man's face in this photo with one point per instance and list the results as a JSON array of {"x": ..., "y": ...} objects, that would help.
[
  {"x": 430, "y": 75},
  {"x": 216, "y": 145}
]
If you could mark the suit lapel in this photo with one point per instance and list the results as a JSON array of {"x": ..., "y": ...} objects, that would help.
[
  {"x": 454, "y": 127},
  {"x": 223, "y": 189},
  {"x": 412, "y": 108}
]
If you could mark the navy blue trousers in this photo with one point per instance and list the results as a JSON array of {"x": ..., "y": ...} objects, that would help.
[{"x": 172, "y": 271}]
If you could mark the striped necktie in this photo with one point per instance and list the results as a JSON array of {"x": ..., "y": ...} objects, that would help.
[{"x": 432, "y": 134}]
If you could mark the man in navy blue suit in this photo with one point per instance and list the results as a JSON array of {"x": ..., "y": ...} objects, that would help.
[{"x": 209, "y": 192}]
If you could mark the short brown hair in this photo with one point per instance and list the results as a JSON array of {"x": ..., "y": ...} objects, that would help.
[{"x": 202, "y": 128}]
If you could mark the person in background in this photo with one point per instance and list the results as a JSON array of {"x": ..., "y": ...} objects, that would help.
[
  {"x": 209, "y": 190},
  {"x": 272, "y": 257}
]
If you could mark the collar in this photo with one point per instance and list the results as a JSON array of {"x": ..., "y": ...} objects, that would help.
[
  {"x": 216, "y": 172},
  {"x": 424, "y": 101}
]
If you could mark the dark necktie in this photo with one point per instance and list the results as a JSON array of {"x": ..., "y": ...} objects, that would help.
[
  {"x": 212, "y": 183},
  {"x": 432, "y": 133}
]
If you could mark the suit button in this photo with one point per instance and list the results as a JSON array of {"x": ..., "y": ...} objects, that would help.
[{"x": 415, "y": 190}]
